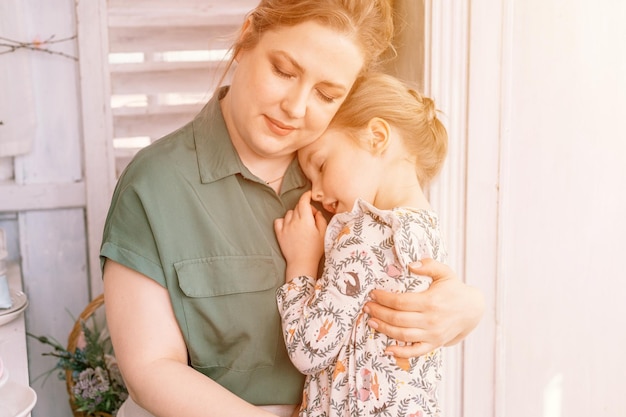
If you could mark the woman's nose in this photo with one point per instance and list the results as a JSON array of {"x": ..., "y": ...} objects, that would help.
[{"x": 294, "y": 103}]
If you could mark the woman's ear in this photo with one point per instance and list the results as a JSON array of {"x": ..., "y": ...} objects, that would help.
[
  {"x": 245, "y": 28},
  {"x": 379, "y": 133}
]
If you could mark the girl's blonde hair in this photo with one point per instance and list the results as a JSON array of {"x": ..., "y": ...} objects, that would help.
[
  {"x": 368, "y": 22},
  {"x": 410, "y": 113}
]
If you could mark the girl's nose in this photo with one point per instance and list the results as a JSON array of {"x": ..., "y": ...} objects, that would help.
[{"x": 316, "y": 193}]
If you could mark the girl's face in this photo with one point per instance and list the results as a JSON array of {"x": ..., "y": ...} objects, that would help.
[
  {"x": 285, "y": 90},
  {"x": 341, "y": 171}
]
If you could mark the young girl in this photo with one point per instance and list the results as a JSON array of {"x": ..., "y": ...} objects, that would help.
[{"x": 369, "y": 169}]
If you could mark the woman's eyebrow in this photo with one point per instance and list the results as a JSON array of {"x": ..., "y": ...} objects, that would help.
[
  {"x": 289, "y": 58},
  {"x": 301, "y": 70}
]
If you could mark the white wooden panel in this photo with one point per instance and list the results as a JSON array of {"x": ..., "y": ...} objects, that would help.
[
  {"x": 55, "y": 276},
  {"x": 97, "y": 127},
  {"x": 52, "y": 241},
  {"x": 166, "y": 13},
  {"x": 17, "y": 197},
  {"x": 480, "y": 384},
  {"x": 153, "y": 125},
  {"x": 6, "y": 168},
  {"x": 139, "y": 111},
  {"x": 157, "y": 39},
  {"x": 446, "y": 83},
  {"x": 166, "y": 77},
  {"x": 17, "y": 122},
  {"x": 564, "y": 205},
  {"x": 56, "y": 153},
  {"x": 165, "y": 17},
  {"x": 162, "y": 66}
]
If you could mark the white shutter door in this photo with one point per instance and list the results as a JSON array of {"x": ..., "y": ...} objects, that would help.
[{"x": 166, "y": 57}]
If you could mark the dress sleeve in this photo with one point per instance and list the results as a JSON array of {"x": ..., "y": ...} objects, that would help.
[{"x": 318, "y": 316}]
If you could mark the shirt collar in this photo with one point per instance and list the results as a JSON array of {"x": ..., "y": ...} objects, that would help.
[
  {"x": 217, "y": 157},
  {"x": 216, "y": 154}
]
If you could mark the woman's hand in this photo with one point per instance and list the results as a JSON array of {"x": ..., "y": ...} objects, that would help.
[{"x": 440, "y": 316}]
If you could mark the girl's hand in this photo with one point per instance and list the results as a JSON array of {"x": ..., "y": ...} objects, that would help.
[
  {"x": 440, "y": 316},
  {"x": 301, "y": 237}
]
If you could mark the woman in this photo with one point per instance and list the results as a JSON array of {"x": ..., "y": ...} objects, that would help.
[{"x": 190, "y": 259}]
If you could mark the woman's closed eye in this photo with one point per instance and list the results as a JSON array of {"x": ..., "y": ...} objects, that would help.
[
  {"x": 325, "y": 97},
  {"x": 281, "y": 73}
]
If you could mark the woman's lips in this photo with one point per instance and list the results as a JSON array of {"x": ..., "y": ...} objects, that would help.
[{"x": 277, "y": 127}]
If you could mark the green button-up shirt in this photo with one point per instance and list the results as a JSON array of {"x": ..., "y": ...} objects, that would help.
[{"x": 188, "y": 214}]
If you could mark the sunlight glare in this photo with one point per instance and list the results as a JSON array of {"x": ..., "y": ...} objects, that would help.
[{"x": 553, "y": 397}]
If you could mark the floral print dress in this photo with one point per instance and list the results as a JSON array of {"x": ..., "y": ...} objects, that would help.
[{"x": 326, "y": 331}]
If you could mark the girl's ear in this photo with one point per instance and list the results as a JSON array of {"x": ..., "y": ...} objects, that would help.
[{"x": 379, "y": 134}]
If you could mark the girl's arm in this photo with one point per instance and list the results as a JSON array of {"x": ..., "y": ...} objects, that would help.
[
  {"x": 301, "y": 237},
  {"x": 440, "y": 316},
  {"x": 152, "y": 355},
  {"x": 317, "y": 315}
]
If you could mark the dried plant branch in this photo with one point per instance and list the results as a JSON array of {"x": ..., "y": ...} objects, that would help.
[{"x": 11, "y": 45}]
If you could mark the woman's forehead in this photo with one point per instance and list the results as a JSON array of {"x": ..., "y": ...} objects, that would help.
[{"x": 311, "y": 46}]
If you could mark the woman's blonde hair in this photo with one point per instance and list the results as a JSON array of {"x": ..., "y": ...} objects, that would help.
[
  {"x": 368, "y": 22},
  {"x": 410, "y": 113}
]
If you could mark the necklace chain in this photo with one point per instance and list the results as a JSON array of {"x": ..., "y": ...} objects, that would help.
[{"x": 274, "y": 180}]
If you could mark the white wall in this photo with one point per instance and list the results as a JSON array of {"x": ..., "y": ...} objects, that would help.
[{"x": 547, "y": 111}]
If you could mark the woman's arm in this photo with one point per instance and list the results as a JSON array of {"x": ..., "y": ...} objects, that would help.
[
  {"x": 152, "y": 355},
  {"x": 440, "y": 316}
]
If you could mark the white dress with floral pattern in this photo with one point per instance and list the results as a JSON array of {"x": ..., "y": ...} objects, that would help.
[{"x": 326, "y": 331}]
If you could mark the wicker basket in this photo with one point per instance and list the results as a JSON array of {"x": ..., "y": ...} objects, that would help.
[{"x": 72, "y": 342}]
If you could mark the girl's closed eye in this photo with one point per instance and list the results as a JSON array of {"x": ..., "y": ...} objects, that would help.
[{"x": 318, "y": 161}]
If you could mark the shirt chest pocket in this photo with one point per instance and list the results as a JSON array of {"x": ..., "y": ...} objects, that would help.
[{"x": 230, "y": 313}]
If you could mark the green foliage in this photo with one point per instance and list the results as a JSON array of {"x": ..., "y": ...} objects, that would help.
[{"x": 97, "y": 384}]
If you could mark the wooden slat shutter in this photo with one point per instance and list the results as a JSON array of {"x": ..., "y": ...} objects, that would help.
[{"x": 166, "y": 57}]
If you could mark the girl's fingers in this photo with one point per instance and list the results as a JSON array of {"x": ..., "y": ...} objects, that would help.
[{"x": 278, "y": 225}]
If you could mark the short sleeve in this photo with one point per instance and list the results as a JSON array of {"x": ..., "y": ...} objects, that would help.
[{"x": 128, "y": 237}]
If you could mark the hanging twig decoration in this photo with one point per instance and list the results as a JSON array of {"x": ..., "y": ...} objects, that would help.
[{"x": 9, "y": 45}]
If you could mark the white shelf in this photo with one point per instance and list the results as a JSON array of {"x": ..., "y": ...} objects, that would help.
[{"x": 13, "y": 338}]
